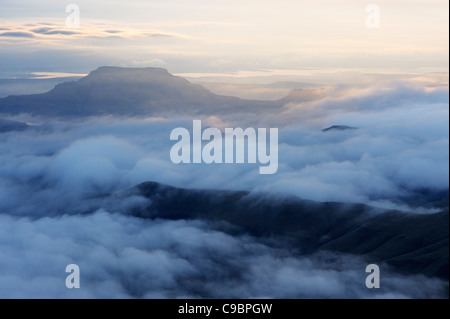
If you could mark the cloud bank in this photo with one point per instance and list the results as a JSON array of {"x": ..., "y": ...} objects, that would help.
[
  {"x": 53, "y": 177},
  {"x": 401, "y": 146},
  {"x": 133, "y": 258}
]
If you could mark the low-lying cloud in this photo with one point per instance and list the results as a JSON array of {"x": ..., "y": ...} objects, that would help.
[
  {"x": 53, "y": 176},
  {"x": 393, "y": 153},
  {"x": 126, "y": 257}
]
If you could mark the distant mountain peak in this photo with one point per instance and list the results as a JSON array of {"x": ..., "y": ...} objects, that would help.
[{"x": 339, "y": 128}]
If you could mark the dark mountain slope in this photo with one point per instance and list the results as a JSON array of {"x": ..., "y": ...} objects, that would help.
[
  {"x": 9, "y": 125},
  {"x": 409, "y": 242}
]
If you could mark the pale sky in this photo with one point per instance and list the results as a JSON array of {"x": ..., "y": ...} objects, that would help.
[{"x": 228, "y": 37}]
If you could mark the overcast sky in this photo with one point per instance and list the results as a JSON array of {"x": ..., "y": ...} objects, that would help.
[{"x": 223, "y": 36}]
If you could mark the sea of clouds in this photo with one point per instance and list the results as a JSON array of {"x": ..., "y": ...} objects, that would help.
[{"x": 53, "y": 174}]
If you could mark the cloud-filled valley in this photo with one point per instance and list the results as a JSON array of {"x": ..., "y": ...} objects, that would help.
[{"x": 56, "y": 173}]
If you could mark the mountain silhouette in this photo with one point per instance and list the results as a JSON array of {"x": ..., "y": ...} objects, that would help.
[
  {"x": 128, "y": 91},
  {"x": 338, "y": 128}
]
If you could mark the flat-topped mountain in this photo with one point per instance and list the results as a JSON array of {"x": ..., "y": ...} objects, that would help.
[{"x": 127, "y": 91}]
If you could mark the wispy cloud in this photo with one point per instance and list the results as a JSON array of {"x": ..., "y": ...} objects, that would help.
[
  {"x": 17, "y": 34},
  {"x": 88, "y": 30}
]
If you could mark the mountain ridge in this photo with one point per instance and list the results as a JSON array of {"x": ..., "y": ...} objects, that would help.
[{"x": 306, "y": 226}]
